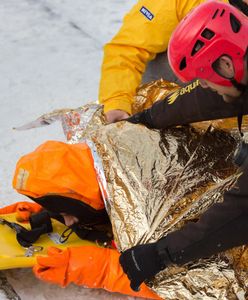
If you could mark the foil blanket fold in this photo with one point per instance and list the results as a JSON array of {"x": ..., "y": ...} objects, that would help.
[{"x": 156, "y": 181}]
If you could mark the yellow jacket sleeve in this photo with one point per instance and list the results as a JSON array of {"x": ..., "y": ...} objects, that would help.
[{"x": 140, "y": 38}]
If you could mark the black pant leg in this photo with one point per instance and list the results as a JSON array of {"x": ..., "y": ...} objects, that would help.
[{"x": 223, "y": 226}]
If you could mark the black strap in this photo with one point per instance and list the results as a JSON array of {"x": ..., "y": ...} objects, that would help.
[
  {"x": 40, "y": 224},
  {"x": 24, "y": 236},
  {"x": 242, "y": 104},
  {"x": 41, "y": 219},
  {"x": 238, "y": 85},
  {"x": 240, "y": 119}
]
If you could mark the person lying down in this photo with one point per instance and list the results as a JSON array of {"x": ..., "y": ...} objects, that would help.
[{"x": 155, "y": 183}]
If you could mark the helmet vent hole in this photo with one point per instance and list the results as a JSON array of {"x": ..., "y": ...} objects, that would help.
[
  {"x": 222, "y": 13},
  {"x": 183, "y": 64},
  {"x": 207, "y": 34},
  {"x": 235, "y": 23},
  {"x": 198, "y": 45},
  {"x": 215, "y": 14}
]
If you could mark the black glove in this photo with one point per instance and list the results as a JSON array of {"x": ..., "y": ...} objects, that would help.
[
  {"x": 140, "y": 263},
  {"x": 141, "y": 118}
]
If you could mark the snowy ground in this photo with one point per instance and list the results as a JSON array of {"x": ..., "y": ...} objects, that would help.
[{"x": 51, "y": 53}]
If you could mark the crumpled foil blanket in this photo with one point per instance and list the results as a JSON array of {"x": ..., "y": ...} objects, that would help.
[{"x": 155, "y": 182}]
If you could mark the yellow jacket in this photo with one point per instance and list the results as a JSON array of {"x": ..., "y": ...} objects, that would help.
[{"x": 145, "y": 32}]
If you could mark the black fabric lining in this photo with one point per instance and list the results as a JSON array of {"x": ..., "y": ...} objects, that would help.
[{"x": 61, "y": 204}]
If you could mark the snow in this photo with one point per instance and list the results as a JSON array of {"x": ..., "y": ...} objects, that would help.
[{"x": 51, "y": 52}]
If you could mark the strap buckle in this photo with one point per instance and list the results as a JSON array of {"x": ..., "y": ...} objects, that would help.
[{"x": 31, "y": 250}]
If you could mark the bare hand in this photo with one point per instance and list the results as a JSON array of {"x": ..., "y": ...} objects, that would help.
[{"x": 116, "y": 115}]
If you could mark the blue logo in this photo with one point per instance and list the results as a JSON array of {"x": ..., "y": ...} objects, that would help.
[{"x": 146, "y": 13}]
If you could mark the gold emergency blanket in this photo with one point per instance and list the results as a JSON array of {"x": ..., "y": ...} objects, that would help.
[{"x": 158, "y": 180}]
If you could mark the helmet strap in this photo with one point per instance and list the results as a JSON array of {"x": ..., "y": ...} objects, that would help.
[
  {"x": 240, "y": 119},
  {"x": 239, "y": 86},
  {"x": 243, "y": 88}
]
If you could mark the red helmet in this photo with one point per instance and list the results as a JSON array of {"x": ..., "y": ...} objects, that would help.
[{"x": 209, "y": 31}]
